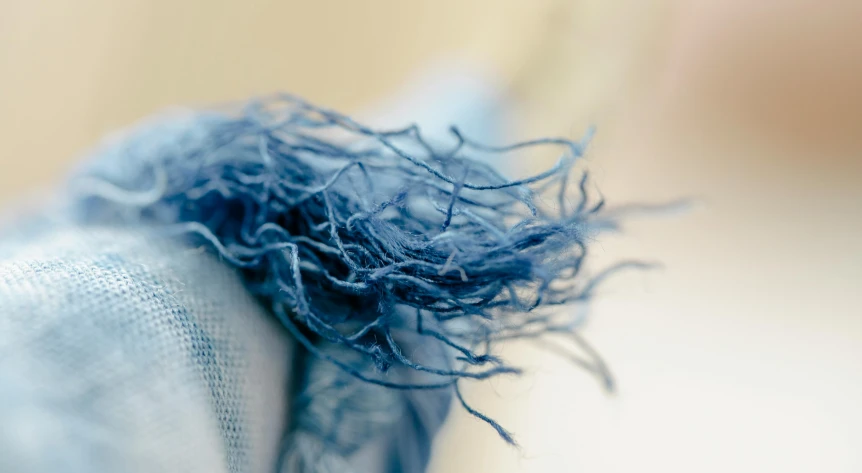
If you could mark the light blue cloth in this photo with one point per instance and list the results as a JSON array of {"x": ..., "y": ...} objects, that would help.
[{"x": 124, "y": 352}]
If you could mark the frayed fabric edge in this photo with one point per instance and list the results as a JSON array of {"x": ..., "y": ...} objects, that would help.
[{"x": 355, "y": 236}]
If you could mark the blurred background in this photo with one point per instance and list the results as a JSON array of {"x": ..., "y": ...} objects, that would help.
[{"x": 744, "y": 353}]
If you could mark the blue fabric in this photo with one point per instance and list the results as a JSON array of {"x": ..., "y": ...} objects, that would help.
[{"x": 157, "y": 317}]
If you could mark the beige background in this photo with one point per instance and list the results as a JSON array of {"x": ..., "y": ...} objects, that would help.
[{"x": 743, "y": 354}]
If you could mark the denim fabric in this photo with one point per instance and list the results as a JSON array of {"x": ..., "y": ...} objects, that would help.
[{"x": 123, "y": 352}]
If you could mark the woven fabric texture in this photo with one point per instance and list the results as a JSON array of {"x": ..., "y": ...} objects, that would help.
[{"x": 123, "y": 352}]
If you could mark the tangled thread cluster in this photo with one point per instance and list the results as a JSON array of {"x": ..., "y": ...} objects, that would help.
[{"x": 354, "y": 235}]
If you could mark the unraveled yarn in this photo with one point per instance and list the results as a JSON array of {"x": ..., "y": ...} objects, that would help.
[{"x": 395, "y": 261}]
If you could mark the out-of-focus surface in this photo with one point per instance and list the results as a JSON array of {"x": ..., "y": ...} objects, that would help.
[{"x": 743, "y": 354}]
